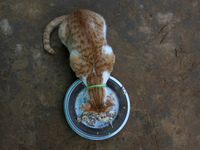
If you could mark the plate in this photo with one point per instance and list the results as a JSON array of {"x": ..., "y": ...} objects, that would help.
[{"x": 77, "y": 94}]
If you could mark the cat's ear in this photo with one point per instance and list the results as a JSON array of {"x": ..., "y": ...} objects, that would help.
[{"x": 88, "y": 107}]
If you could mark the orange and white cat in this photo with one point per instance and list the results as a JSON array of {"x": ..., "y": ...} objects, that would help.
[{"x": 83, "y": 32}]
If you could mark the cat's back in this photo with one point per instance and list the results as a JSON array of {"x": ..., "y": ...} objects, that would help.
[
  {"x": 86, "y": 40},
  {"x": 87, "y": 19},
  {"x": 87, "y": 30}
]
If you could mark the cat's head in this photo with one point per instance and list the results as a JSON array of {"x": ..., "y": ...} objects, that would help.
[{"x": 98, "y": 101}]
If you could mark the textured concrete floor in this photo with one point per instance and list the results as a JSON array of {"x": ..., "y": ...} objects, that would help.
[{"x": 157, "y": 59}]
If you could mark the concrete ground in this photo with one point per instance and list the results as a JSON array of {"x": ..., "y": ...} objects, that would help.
[{"x": 157, "y": 48}]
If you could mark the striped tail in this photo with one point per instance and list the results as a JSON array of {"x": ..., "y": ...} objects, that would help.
[{"x": 47, "y": 32}]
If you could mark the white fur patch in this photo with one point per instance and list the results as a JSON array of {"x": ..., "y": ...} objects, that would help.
[
  {"x": 106, "y": 93},
  {"x": 94, "y": 71},
  {"x": 73, "y": 52},
  {"x": 107, "y": 49},
  {"x": 92, "y": 25},
  {"x": 106, "y": 76},
  {"x": 84, "y": 79}
]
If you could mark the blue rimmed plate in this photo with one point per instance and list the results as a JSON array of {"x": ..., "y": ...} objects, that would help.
[{"x": 75, "y": 96}]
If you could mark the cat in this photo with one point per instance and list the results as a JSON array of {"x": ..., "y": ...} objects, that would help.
[{"x": 83, "y": 32}]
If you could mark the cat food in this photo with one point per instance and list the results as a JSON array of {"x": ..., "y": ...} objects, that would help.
[{"x": 90, "y": 118}]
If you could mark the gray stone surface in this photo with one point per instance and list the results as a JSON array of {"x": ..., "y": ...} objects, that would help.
[{"x": 157, "y": 59}]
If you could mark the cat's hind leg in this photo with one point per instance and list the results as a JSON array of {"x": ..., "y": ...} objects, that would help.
[
  {"x": 79, "y": 66},
  {"x": 109, "y": 57},
  {"x": 63, "y": 32},
  {"x": 75, "y": 61}
]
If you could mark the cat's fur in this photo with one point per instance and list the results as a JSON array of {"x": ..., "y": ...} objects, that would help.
[{"x": 83, "y": 32}]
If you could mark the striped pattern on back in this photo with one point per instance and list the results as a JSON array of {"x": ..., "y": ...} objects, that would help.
[{"x": 83, "y": 32}]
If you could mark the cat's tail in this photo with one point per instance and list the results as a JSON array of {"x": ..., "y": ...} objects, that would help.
[{"x": 47, "y": 32}]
